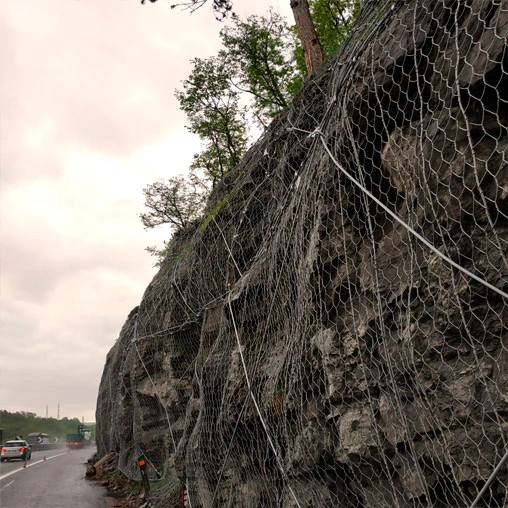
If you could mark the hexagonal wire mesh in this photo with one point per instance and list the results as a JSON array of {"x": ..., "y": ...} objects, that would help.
[{"x": 334, "y": 333}]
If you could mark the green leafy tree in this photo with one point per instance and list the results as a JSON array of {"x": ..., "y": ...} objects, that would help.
[
  {"x": 257, "y": 52},
  {"x": 333, "y": 20},
  {"x": 22, "y": 423},
  {"x": 176, "y": 202},
  {"x": 214, "y": 113},
  {"x": 310, "y": 44},
  {"x": 159, "y": 253},
  {"x": 255, "y": 61},
  {"x": 261, "y": 59}
]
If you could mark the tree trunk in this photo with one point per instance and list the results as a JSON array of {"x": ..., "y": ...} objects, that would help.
[{"x": 312, "y": 51}]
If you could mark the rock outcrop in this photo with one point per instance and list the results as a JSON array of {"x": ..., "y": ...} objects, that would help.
[{"x": 334, "y": 331}]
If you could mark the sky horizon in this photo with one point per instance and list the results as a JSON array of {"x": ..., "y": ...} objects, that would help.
[{"x": 87, "y": 120}]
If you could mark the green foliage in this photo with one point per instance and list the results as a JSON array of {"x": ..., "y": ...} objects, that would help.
[
  {"x": 23, "y": 423},
  {"x": 176, "y": 202},
  {"x": 258, "y": 54},
  {"x": 215, "y": 115},
  {"x": 159, "y": 253},
  {"x": 261, "y": 60},
  {"x": 215, "y": 211},
  {"x": 333, "y": 20}
]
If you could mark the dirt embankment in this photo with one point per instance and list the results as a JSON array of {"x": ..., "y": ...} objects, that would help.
[{"x": 122, "y": 491}]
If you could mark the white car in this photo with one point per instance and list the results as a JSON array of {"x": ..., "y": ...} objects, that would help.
[{"x": 18, "y": 449}]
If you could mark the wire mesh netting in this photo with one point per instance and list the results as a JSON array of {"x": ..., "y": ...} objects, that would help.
[{"x": 334, "y": 331}]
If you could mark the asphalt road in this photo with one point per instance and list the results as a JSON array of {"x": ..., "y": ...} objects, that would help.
[{"x": 56, "y": 482}]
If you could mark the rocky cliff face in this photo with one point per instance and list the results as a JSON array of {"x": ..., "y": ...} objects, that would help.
[{"x": 334, "y": 331}]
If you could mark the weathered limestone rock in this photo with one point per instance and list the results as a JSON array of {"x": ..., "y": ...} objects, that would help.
[{"x": 301, "y": 346}]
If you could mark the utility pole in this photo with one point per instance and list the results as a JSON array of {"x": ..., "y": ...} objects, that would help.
[
  {"x": 46, "y": 412},
  {"x": 58, "y": 412}
]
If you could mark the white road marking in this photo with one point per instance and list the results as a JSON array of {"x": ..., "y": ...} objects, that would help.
[
  {"x": 30, "y": 465},
  {"x": 10, "y": 483}
]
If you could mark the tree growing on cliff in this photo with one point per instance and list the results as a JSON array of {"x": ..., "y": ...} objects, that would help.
[
  {"x": 176, "y": 202},
  {"x": 260, "y": 60},
  {"x": 256, "y": 62},
  {"x": 333, "y": 20},
  {"x": 214, "y": 113},
  {"x": 310, "y": 43}
]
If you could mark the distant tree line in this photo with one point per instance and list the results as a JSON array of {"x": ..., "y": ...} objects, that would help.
[{"x": 23, "y": 423}]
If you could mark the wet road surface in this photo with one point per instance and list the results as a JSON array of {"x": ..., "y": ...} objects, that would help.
[{"x": 57, "y": 482}]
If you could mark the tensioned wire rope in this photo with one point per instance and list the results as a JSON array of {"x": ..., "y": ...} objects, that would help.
[
  {"x": 317, "y": 133},
  {"x": 155, "y": 388},
  {"x": 249, "y": 386}
]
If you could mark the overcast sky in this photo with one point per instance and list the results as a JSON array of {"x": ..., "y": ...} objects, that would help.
[{"x": 87, "y": 119}]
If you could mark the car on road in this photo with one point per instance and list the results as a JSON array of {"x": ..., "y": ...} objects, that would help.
[{"x": 16, "y": 449}]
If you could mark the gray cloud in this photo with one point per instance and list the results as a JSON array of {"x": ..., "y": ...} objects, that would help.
[{"x": 88, "y": 119}]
